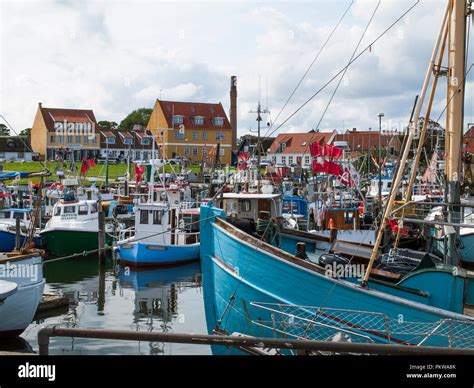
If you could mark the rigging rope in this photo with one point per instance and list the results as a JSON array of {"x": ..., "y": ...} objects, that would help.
[{"x": 368, "y": 47}]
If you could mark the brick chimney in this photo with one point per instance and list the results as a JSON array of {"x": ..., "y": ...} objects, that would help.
[{"x": 233, "y": 110}]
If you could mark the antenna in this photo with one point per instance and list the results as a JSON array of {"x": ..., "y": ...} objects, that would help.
[{"x": 266, "y": 92}]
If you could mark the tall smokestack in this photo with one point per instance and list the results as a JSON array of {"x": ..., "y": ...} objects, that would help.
[{"x": 233, "y": 110}]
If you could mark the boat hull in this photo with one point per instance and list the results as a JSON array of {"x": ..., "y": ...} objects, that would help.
[
  {"x": 8, "y": 240},
  {"x": 18, "y": 310},
  {"x": 237, "y": 273},
  {"x": 67, "y": 242},
  {"x": 150, "y": 255}
]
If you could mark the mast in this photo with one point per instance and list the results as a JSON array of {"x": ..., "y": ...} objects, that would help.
[
  {"x": 411, "y": 134},
  {"x": 454, "y": 122}
]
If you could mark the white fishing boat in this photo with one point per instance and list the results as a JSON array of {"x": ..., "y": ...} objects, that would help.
[
  {"x": 73, "y": 227},
  {"x": 21, "y": 289}
]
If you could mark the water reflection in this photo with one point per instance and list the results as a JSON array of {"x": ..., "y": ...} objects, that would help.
[{"x": 113, "y": 297}]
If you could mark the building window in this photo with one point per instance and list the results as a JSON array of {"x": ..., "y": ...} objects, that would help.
[
  {"x": 195, "y": 151},
  {"x": 137, "y": 154},
  {"x": 69, "y": 140},
  {"x": 78, "y": 140},
  {"x": 283, "y": 160},
  {"x": 218, "y": 121},
  {"x": 177, "y": 119},
  {"x": 274, "y": 159},
  {"x": 178, "y": 135},
  {"x": 145, "y": 142},
  {"x": 204, "y": 151},
  {"x": 144, "y": 217},
  {"x": 221, "y": 152},
  {"x": 290, "y": 159},
  {"x": 219, "y": 136},
  {"x": 2, "y": 154},
  {"x": 195, "y": 135},
  {"x": 94, "y": 140},
  {"x": 53, "y": 139},
  {"x": 307, "y": 159},
  {"x": 110, "y": 140},
  {"x": 86, "y": 139},
  {"x": 204, "y": 136},
  {"x": 198, "y": 120},
  {"x": 21, "y": 155},
  {"x": 186, "y": 151}
]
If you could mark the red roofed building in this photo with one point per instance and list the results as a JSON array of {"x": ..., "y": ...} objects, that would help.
[
  {"x": 362, "y": 141},
  {"x": 293, "y": 148},
  {"x": 56, "y": 129},
  {"x": 192, "y": 130}
]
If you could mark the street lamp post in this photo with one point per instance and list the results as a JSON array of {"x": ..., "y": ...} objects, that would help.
[{"x": 380, "y": 156}]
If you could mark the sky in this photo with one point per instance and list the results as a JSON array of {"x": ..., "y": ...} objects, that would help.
[{"x": 117, "y": 56}]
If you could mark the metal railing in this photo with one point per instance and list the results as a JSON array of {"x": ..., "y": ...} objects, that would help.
[{"x": 45, "y": 334}]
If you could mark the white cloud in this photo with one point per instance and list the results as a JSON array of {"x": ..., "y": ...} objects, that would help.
[{"x": 114, "y": 57}]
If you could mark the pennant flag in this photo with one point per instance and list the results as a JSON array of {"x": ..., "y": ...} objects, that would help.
[
  {"x": 332, "y": 151},
  {"x": 139, "y": 172},
  {"x": 317, "y": 167},
  {"x": 315, "y": 149},
  {"x": 84, "y": 166},
  {"x": 91, "y": 162},
  {"x": 346, "y": 179},
  {"x": 332, "y": 168}
]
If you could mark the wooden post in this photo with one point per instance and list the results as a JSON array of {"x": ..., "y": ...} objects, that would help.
[
  {"x": 17, "y": 235},
  {"x": 101, "y": 236}
]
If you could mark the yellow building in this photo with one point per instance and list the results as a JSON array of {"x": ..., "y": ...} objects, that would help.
[
  {"x": 193, "y": 130},
  {"x": 59, "y": 132}
]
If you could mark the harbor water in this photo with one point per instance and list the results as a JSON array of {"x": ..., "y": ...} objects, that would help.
[{"x": 119, "y": 298}]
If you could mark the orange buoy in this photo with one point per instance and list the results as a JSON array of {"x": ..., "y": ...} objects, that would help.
[{"x": 331, "y": 224}]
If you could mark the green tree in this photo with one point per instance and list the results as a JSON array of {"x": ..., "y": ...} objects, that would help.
[
  {"x": 107, "y": 124},
  {"x": 26, "y": 132},
  {"x": 4, "y": 130},
  {"x": 139, "y": 116}
]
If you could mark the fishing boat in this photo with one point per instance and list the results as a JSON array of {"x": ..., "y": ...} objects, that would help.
[
  {"x": 73, "y": 227},
  {"x": 8, "y": 219},
  {"x": 21, "y": 289},
  {"x": 166, "y": 230},
  {"x": 240, "y": 269},
  {"x": 159, "y": 237},
  {"x": 251, "y": 281}
]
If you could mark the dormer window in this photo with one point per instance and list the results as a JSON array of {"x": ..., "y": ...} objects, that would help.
[
  {"x": 218, "y": 121},
  {"x": 178, "y": 119},
  {"x": 110, "y": 140},
  {"x": 198, "y": 120},
  {"x": 145, "y": 141},
  {"x": 282, "y": 147}
]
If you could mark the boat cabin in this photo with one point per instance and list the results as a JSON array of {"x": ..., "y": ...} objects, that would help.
[
  {"x": 249, "y": 206},
  {"x": 12, "y": 214},
  {"x": 295, "y": 206},
  {"x": 67, "y": 210},
  {"x": 159, "y": 224},
  {"x": 342, "y": 219}
]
